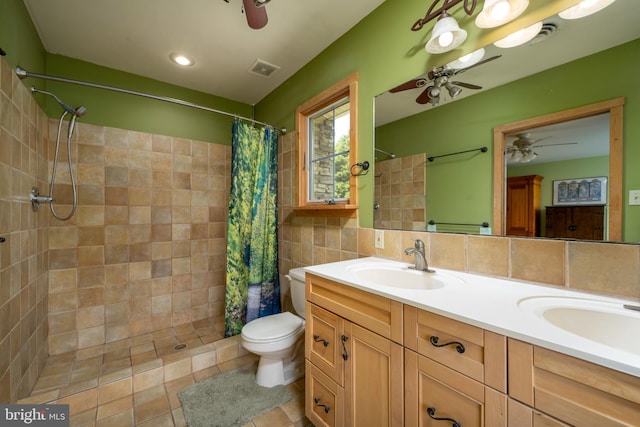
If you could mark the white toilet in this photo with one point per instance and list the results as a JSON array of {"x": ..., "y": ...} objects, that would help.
[{"x": 279, "y": 339}]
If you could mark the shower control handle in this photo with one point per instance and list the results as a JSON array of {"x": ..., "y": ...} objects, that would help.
[{"x": 36, "y": 198}]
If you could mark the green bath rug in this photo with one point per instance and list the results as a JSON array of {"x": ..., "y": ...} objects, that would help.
[{"x": 230, "y": 399}]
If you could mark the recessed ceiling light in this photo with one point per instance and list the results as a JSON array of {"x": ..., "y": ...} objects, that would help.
[{"x": 180, "y": 59}]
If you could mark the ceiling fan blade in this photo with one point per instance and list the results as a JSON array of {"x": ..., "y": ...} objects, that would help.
[
  {"x": 554, "y": 145},
  {"x": 411, "y": 84},
  {"x": 484, "y": 61},
  {"x": 256, "y": 16},
  {"x": 467, "y": 85}
]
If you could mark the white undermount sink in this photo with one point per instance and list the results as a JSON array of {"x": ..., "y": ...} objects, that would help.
[
  {"x": 603, "y": 322},
  {"x": 402, "y": 276}
]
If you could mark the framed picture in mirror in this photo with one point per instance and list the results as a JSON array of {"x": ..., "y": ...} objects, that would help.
[{"x": 580, "y": 191}]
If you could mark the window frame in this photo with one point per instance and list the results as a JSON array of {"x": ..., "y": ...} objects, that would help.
[{"x": 347, "y": 87}]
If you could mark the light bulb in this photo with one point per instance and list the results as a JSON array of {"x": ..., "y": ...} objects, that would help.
[
  {"x": 445, "y": 39},
  {"x": 500, "y": 10},
  {"x": 179, "y": 59}
]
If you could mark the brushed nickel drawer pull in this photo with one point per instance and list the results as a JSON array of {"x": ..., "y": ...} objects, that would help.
[
  {"x": 345, "y": 355},
  {"x": 459, "y": 346},
  {"x": 317, "y": 338},
  {"x": 317, "y": 402},
  {"x": 432, "y": 412}
]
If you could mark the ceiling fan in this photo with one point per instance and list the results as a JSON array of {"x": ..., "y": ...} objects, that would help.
[
  {"x": 521, "y": 150},
  {"x": 255, "y": 12},
  {"x": 440, "y": 77}
]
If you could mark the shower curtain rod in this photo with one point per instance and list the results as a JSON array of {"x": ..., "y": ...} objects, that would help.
[{"x": 22, "y": 74}]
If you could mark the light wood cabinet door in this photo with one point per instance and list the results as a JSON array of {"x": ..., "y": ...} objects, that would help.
[
  {"x": 324, "y": 402},
  {"x": 572, "y": 390},
  {"x": 435, "y": 394},
  {"x": 374, "y": 382},
  {"x": 324, "y": 333}
]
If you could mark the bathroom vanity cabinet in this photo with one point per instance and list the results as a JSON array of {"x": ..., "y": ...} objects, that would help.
[
  {"x": 374, "y": 361},
  {"x": 552, "y": 389},
  {"x": 354, "y": 363}
]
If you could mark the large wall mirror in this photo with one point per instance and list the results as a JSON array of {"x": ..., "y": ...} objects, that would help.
[{"x": 561, "y": 81}]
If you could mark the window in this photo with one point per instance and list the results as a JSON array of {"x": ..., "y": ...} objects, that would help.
[{"x": 327, "y": 147}]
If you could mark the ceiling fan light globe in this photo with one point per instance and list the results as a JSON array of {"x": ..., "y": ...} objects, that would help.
[
  {"x": 454, "y": 91},
  {"x": 584, "y": 8},
  {"x": 467, "y": 60},
  {"x": 498, "y": 12}
]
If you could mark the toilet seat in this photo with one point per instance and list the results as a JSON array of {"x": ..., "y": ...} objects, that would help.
[{"x": 272, "y": 328}]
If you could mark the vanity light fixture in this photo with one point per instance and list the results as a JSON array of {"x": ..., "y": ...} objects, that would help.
[
  {"x": 180, "y": 59},
  {"x": 446, "y": 35},
  {"x": 260, "y": 3},
  {"x": 585, "y": 8},
  {"x": 468, "y": 60},
  {"x": 520, "y": 37},
  {"x": 498, "y": 12}
]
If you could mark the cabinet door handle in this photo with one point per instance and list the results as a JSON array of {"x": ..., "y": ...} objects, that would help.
[
  {"x": 326, "y": 409},
  {"x": 345, "y": 355},
  {"x": 459, "y": 346},
  {"x": 432, "y": 412},
  {"x": 317, "y": 338}
]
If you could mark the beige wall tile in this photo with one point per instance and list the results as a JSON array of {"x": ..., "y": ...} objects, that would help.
[
  {"x": 538, "y": 260},
  {"x": 488, "y": 255},
  {"x": 447, "y": 251},
  {"x": 611, "y": 269}
]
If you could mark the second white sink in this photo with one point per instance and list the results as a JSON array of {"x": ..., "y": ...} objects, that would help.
[{"x": 607, "y": 323}]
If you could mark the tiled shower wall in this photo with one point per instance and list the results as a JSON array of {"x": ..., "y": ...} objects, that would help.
[
  {"x": 400, "y": 193},
  {"x": 23, "y": 253},
  {"x": 146, "y": 248}
]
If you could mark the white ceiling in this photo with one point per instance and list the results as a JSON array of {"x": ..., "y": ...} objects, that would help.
[{"x": 137, "y": 36}]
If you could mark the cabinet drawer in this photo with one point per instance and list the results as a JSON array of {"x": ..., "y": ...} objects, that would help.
[
  {"x": 325, "y": 398},
  {"x": 435, "y": 391},
  {"x": 378, "y": 314},
  {"x": 572, "y": 390},
  {"x": 470, "y": 350},
  {"x": 520, "y": 415},
  {"x": 323, "y": 347}
]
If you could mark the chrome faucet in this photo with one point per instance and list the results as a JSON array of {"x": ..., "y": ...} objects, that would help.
[{"x": 418, "y": 253}]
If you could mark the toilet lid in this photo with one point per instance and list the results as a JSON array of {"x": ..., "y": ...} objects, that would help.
[{"x": 273, "y": 327}]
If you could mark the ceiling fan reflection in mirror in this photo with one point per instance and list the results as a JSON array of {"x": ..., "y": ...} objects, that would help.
[
  {"x": 255, "y": 12},
  {"x": 521, "y": 150},
  {"x": 439, "y": 79}
]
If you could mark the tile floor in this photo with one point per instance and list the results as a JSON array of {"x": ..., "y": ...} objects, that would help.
[{"x": 135, "y": 382}]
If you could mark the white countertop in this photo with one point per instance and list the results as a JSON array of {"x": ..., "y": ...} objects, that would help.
[{"x": 492, "y": 303}]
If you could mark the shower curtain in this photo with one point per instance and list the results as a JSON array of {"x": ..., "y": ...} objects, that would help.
[{"x": 252, "y": 282}]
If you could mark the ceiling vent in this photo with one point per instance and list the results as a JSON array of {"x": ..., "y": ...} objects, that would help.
[
  {"x": 548, "y": 29},
  {"x": 263, "y": 68}
]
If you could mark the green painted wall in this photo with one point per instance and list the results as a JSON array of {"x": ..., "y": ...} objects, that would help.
[
  {"x": 469, "y": 122},
  {"x": 590, "y": 167},
  {"x": 107, "y": 108},
  {"x": 18, "y": 37}
]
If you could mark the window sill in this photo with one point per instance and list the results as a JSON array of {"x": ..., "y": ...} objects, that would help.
[{"x": 339, "y": 210}]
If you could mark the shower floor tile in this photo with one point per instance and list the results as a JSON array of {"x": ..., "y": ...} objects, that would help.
[{"x": 100, "y": 387}]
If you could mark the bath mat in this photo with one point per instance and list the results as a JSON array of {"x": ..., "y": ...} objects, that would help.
[{"x": 230, "y": 399}]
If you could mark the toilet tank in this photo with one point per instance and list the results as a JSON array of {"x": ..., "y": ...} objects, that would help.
[{"x": 296, "y": 279}]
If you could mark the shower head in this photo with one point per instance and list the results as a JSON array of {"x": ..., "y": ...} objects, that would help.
[{"x": 78, "y": 112}]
